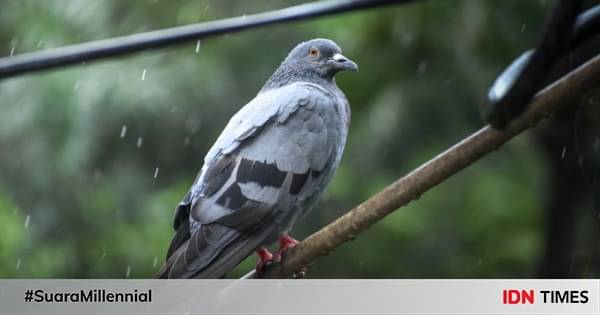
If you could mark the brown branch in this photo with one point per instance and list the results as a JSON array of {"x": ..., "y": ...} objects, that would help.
[{"x": 435, "y": 171}]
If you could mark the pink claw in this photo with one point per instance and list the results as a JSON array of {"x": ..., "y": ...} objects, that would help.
[
  {"x": 265, "y": 259},
  {"x": 285, "y": 242}
]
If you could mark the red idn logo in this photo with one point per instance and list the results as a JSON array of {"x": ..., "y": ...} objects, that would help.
[{"x": 513, "y": 296}]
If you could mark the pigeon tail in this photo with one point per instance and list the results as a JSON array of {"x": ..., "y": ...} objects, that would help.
[{"x": 233, "y": 250}]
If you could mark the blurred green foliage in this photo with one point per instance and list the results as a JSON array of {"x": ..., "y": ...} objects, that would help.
[{"x": 77, "y": 199}]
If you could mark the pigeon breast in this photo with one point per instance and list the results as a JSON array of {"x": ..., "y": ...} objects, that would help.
[{"x": 275, "y": 156}]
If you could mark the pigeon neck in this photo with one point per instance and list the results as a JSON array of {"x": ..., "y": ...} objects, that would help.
[{"x": 287, "y": 74}]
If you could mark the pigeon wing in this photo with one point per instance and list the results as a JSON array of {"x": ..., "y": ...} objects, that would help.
[{"x": 274, "y": 150}]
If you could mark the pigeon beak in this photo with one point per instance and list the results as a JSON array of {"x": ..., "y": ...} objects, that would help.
[{"x": 345, "y": 63}]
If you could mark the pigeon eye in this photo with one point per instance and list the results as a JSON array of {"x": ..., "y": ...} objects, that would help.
[{"x": 313, "y": 52}]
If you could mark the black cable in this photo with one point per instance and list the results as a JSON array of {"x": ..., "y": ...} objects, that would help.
[
  {"x": 78, "y": 53},
  {"x": 587, "y": 25},
  {"x": 532, "y": 67}
]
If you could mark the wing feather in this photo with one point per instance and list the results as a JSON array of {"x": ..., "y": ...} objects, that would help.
[{"x": 258, "y": 167}]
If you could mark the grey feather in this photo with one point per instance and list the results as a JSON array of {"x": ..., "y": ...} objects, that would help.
[{"x": 267, "y": 168}]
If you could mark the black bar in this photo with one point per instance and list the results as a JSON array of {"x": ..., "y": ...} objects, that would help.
[
  {"x": 554, "y": 41},
  {"x": 68, "y": 55}
]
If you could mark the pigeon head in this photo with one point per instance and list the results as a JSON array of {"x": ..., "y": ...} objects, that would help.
[
  {"x": 317, "y": 60},
  {"x": 320, "y": 55}
]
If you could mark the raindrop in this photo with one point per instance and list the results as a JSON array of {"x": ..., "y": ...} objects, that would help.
[
  {"x": 244, "y": 17},
  {"x": 140, "y": 141},
  {"x": 447, "y": 82},
  {"x": 564, "y": 153},
  {"x": 27, "y": 219},
  {"x": 76, "y": 85},
  {"x": 187, "y": 141},
  {"x": 144, "y": 75},
  {"x": 156, "y": 173},
  {"x": 580, "y": 160},
  {"x": 206, "y": 7},
  {"x": 198, "y": 43},
  {"x": 18, "y": 264},
  {"x": 12, "y": 51},
  {"x": 123, "y": 131},
  {"x": 39, "y": 44},
  {"x": 523, "y": 27},
  {"x": 596, "y": 144},
  {"x": 422, "y": 67},
  {"x": 128, "y": 272},
  {"x": 15, "y": 211},
  {"x": 103, "y": 255},
  {"x": 155, "y": 262}
]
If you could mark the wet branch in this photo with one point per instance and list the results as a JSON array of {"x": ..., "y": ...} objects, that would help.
[{"x": 561, "y": 93}]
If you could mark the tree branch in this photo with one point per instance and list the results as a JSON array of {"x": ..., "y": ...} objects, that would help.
[{"x": 435, "y": 171}]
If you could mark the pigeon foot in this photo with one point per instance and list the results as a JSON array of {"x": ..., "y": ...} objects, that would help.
[
  {"x": 286, "y": 242},
  {"x": 265, "y": 259}
]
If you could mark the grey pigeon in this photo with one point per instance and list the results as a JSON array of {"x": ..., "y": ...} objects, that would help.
[{"x": 266, "y": 169}]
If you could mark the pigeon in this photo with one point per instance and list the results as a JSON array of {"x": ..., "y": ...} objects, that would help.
[{"x": 267, "y": 168}]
